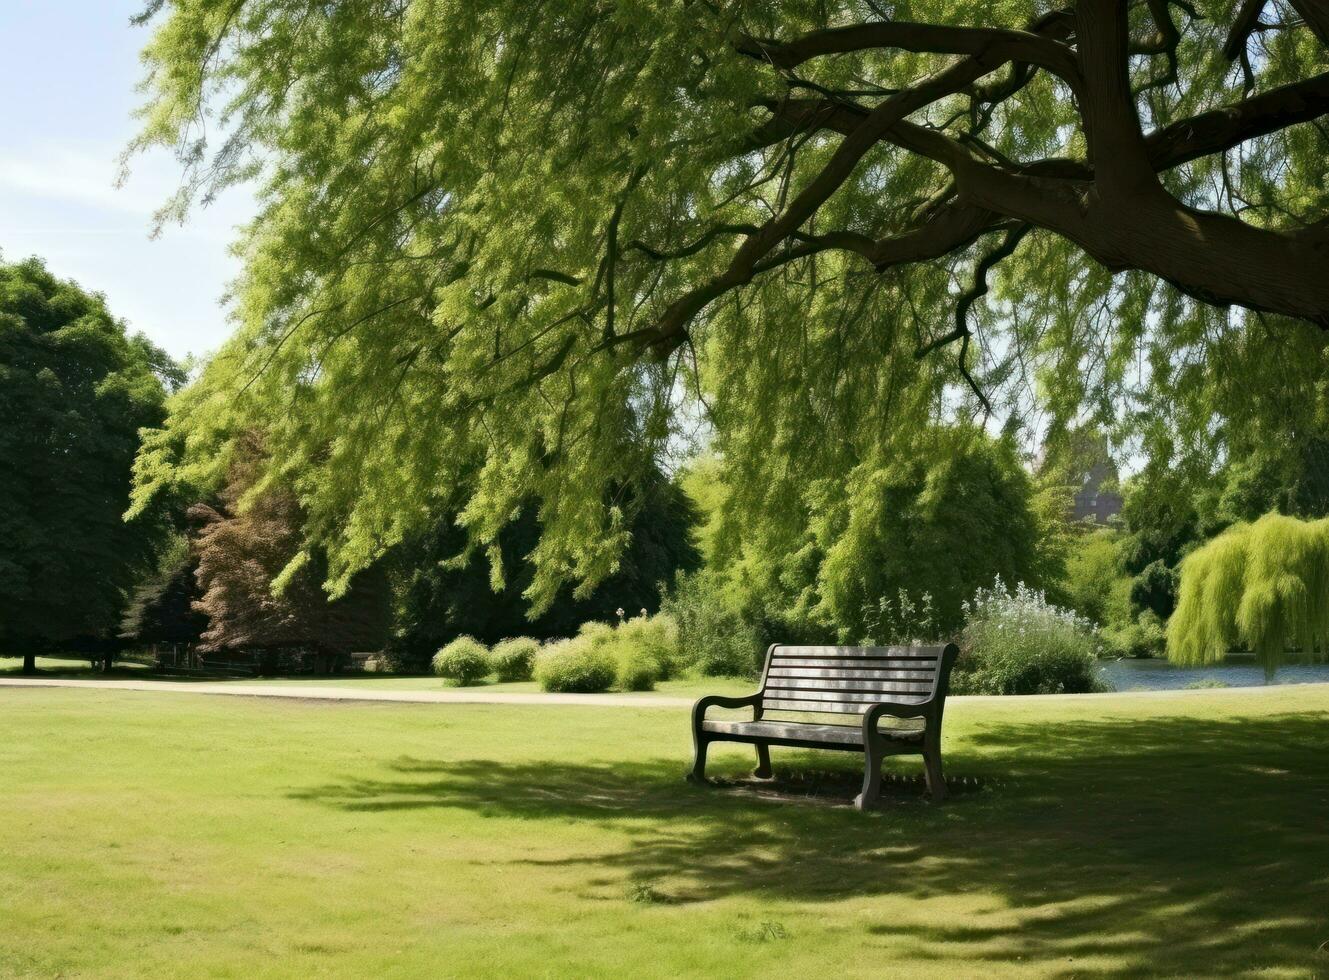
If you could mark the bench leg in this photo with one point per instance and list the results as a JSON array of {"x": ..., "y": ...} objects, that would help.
[
  {"x": 698, "y": 771},
  {"x": 932, "y": 769},
  {"x": 763, "y": 770},
  {"x": 871, "y": 778}
]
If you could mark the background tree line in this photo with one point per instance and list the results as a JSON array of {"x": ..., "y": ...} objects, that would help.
[{"x": 892, "y": 555}]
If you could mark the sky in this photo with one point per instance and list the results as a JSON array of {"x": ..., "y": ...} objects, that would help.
[{"x": 69, "y": 70}]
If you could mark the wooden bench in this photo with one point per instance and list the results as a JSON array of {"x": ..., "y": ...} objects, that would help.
[{"x": 875, "y": 682}]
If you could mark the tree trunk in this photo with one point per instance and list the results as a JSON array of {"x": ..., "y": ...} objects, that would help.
[{"x": 29, "y": 663}]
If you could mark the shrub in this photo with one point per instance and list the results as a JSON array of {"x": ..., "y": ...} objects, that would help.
[
  {"x": 713, "y": 638},
  {"x": 514, "y": 659},
  {"x": 656, "y": 637},
  {"x": 597, "y": 635},
  {"x": 464, "y": 660},
  {"x": 1019, "y": 643},
  {"x": 578, "y": 666},
  {"x": 1096, "y": 585},
  {"x": 635, "y": 669},
  {"x": 1142, "y": 637}
]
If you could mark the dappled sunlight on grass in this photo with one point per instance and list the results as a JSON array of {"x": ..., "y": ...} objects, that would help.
[{"x": 1182, "y": 836}]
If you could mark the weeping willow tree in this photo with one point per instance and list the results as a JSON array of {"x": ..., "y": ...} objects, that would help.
[
  {"x": 513, "y": 251},
  {"x": 1263, "y": 585}
]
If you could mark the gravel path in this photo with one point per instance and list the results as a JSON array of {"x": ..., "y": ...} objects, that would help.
[{"x": 315, "y": 692}]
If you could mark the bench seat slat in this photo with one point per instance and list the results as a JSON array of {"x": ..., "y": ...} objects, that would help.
[
  {"x": 843, "y": 734},
  {"x": 802, "y": 731}
]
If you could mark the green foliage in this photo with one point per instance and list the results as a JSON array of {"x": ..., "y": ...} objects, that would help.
[
  {"x": 581, "y": 665},
  {"x": 464, "y": 660},
  {"x": 514, "y": 659},
  {"x": 1263, "y": 585},
  {"x": 161, "y": 609},
  {"x": 438, "y": 600},
  {"x": 74, "y": 391},
  {"x": 631, "y": 656},
  {"x": 653, "y": 639},
  {"x": 939, "y": 524},
  {"x": 1154, "y": 589},
  {"x": 1096, "y": 585},
  {"x": 1141, "y": 636},
  {"x": 713, "y": 638},
  {"x": 1160, "y": 513},
  {"x": 1019, "y": 643},
  {"x": 903, "y": 620},
  {"x": 474, "y": 232},
  {"x": 635, "y": 669}
]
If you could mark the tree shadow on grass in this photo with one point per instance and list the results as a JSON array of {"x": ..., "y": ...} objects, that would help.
[{"x": 1176, "y": 846}]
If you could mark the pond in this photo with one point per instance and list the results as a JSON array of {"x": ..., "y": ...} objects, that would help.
[{"x": 1159, "y": 675}]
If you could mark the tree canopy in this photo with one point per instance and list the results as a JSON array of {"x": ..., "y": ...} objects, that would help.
[
  {"x": 941, "y": 524},
  {"x": 161, "y": 608},
  {"x": 261, "y": 582},
  {"x": 439, "y": 601},
  {"x": 511, "y": 250},
  {"x": 1264, "y": 585},
  {"x": 74, "y": 392}
]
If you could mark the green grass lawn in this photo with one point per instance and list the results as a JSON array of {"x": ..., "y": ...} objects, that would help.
[{"x": 165, "y": 834}]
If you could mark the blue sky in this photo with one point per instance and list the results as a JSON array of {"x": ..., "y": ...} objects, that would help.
[{"x": 69, "y": 69}]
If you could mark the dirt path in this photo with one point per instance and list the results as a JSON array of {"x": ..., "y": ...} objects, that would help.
[{"x": 315, "y": 692}]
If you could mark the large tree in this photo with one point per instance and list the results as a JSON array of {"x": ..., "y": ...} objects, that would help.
[
  {"x": 260, "y": 582},
  {"x": 74, "y": 392},
  {"x": 501, "y": 242}
]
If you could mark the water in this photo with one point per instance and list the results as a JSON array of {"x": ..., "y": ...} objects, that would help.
[{"x": 1159, "y": 675}]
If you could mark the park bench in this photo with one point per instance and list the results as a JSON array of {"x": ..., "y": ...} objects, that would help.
[{"x": 905, "y": 683}]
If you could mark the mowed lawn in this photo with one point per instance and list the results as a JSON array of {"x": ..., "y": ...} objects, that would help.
[{"x": 179, "y": 834}]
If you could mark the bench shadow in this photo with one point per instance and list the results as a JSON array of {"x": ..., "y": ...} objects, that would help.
[{"x": 1098, "y": 847}]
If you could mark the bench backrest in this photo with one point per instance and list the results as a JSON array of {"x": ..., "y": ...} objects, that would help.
[{"x": 851, "y": 679}]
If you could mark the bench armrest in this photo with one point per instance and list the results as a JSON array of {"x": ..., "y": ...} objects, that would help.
[
  {"x": 921, "y": 709},
  {"x": 721, "y": 701}
]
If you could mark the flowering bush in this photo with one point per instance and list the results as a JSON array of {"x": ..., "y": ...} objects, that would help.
[{"x": 1019, "y": 643}]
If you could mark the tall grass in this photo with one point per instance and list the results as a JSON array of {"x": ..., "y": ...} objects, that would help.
[{"x": 1262, "y": 585}]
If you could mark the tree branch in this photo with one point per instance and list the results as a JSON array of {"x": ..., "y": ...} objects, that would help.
[
  {"x": 976, "y": 42},
  {"x": 1316, "y": 15},
  {"x": 1247, "y": 19},
  {"x": 1230, "y": 125}
]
